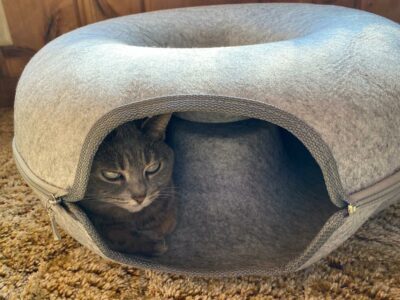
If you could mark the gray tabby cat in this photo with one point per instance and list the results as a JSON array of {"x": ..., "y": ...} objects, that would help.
[{"x": 130, "y": 194}]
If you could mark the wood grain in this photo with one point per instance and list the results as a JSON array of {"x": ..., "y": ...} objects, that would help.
[
  {"x": 7, "y": 91},
  {"x": 285, "y": 1},
  {"x": 347, "y": 3},
  {"x": 387, "y": 8},
  {"x": 5, "y": 37},
  {"x": 12, "y": 62},
  {"x": 90, "y": 11},
  {"x": 33, "y": 23},
  {"x": 15, "y": 59},
  {"x": 3, "y": 70},
  {"x": 151, "y": 5}
]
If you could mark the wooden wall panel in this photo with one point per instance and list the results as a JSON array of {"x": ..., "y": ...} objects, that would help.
[
  {"x": 15, "y": 59},
  {"x": 165, "y": 4},
  {"x": 32, "y": 23},
  {"x": 90, "y": 11},
  {"x": 7, "y": 91},
  {"x": 126, "y": 7},
  {"x": 12, "y": 62},
  {"x": 388, "y": 8},
  {"x": 2, "y": 65},
  {"x": 347, "y": 3},
  {"x": 285, "y": 1},
  {"x": 5, "y": 37}
]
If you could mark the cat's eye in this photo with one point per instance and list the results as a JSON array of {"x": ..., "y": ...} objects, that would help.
[
  {"x": 153, "y": 168},
  {"x": 112, "y": 176}
]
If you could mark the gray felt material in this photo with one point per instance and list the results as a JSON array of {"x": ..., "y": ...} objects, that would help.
[
  {"x": 252, "y": 214},
  {"x": 334, "y": 68},
  {"x": 248, "y": 210},
  {"x": 255, "y": 197}
]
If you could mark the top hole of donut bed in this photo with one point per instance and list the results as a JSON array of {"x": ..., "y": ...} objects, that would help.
[{"x": 188, "y": 30}]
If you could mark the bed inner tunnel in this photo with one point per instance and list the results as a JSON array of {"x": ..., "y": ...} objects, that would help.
[{"x": 250, "y": 194}]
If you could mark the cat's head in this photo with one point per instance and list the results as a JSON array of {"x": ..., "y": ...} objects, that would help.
[{"x": 132, "y": 167}]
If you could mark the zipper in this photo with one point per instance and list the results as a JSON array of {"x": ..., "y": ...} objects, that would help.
[
  {"x": 53, "y": 195},
  {"x": 51, "y": 201},
  {"x": 385, "y": 190}
]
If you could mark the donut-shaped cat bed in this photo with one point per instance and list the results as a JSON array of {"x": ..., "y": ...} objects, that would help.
[{"x": 285, "y": 127}]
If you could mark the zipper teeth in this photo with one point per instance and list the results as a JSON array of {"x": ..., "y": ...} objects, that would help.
[
  {"x": 36, "y": 183},
  {"x": 51, "y": 199},
  {"x": 352, "y": 207},
  {"x": 33, "y": 184},
  {"x": 383, "y": 191},
  {"x": 383, "y": 195},
  {"x": 380, "y": 194},
  {"x": 388, "y": 197}
]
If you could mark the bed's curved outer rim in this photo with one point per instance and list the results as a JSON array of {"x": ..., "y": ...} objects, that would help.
[
  {"x": 331, "y": 79},
  {"x": 326, "y": 86}
]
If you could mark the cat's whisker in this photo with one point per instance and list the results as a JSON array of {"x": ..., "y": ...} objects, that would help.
[
  {"x": 154, "y": 196},
  {"x": 171, "y": 188},
  {"x": 168, "y": 192},
  {"x": 170, "y": 195}
]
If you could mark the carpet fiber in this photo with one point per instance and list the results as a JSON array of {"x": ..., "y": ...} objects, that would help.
[{"x": 33, "y": 266}]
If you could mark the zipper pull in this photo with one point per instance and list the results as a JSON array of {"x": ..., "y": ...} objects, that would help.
[
  {"x": 351, "y": 209},
  {"x": 53, "y": 201}
]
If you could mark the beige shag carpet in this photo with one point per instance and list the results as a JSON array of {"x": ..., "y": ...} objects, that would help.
[{"x": 33, "y": 266}]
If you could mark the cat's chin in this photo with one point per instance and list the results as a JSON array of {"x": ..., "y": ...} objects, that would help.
[{"x": 137, "y": 208}]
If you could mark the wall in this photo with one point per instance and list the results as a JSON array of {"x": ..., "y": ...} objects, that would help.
[{"x": 26, "y": 25}]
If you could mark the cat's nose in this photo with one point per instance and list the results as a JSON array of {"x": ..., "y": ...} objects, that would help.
[{"x": 140, "y": 198}]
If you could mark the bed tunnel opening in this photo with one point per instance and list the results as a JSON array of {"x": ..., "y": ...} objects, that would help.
[{"x": 250, "y": 195}]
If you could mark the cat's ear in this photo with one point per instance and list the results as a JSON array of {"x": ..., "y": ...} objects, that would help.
[
  {"x": 127, "y": 130},
  {"x": 156, "y": 126},
  {"x": 110, "y": 137}
]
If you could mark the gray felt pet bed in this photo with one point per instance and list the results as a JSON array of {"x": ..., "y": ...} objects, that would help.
[{"x": 285, "y": 129}]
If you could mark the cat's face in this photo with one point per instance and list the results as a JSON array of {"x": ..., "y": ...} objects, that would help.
[{"x": 132, "y": 167}]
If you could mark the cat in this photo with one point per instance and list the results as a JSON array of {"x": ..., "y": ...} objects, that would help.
[{"x": 130, "y": 196}]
